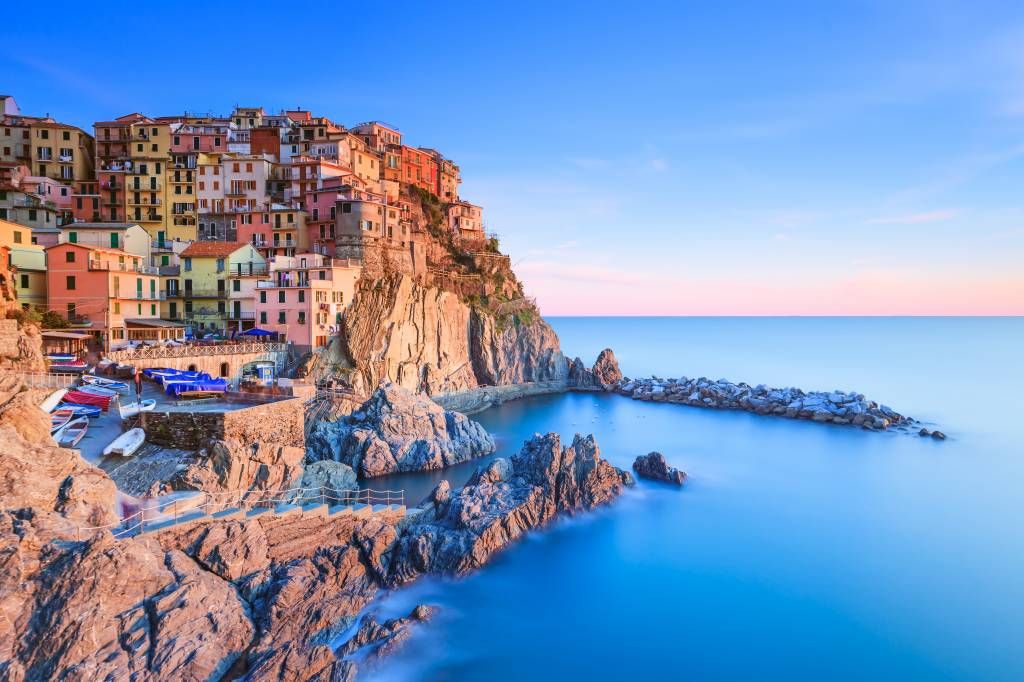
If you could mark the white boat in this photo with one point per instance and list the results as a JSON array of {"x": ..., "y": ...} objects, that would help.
[
  {"x": 96, "y": 390},
  {"x": 101, "y": 382},
  {"x": 132, "y": 409},
  {"x": 60, "y": 418},
  {"x": 53, "y": 400},
  {"x": 126, "y": 444},
  {"x": 69, "y": 435}
]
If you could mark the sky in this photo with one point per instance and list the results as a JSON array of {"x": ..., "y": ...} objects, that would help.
[{"x": 743, "y": 158}]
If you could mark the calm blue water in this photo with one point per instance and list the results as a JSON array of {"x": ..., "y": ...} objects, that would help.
[{"x": 796, "y": 550}]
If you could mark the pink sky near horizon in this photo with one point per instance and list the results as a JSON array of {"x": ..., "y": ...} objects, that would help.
[{"x": 593, "y": 290}]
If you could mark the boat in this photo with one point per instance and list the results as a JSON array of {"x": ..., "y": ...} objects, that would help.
[
  {"x": 52, "y": 400},
  {"x": 216, "y": 385},
  {"x": 80, "y": 398},
  {"x": 61, "y": 357},
  {"x": 96, "y": 390},
  {"x": 150, "y": 371},
  {"x": 127, "y": 443},
  {"x": 104, "y": 383},
  {"x": 81, "y": 410},
  {"x": 132, "y": 409},
  {"x": 73, "y": 432},
  {"x": 196, "y": 394},
  {"x": 59, "y": 419}
]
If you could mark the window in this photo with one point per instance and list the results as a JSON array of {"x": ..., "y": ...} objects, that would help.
[
  {"x": 302, "y": 296},
  {"x": 152, "y": 309},
  {"x": 188, "y": 264},
  {"x": 302, "y": 317},
  {"x": 281, "y": 317},
  {"x": 117, "y": 307},
  {"x": 263, "y": 297},
  {"x": 280, "y": 296},
  {"x": 69, "y": 256},
  {"x": 24, "y": 281},
  {"x": 220, "y": 265},
  {"x": 113, "y": 240},
  {"x": 236, "y": 285},
  {"x": 70, "y": 282},
  {"x": 17, "y": 236},
  {"x": 263, "y": 317}
]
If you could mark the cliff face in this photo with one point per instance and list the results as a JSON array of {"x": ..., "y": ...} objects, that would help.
[{"x": 427, "y": 339}]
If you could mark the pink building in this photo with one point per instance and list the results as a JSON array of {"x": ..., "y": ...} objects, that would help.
[{"x": 305, "y": 296}]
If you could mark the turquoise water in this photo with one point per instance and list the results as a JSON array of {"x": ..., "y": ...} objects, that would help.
[{"x": 796, "y": 551}]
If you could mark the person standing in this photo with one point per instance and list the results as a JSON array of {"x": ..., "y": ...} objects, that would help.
[{"x": 138, "y": 385}]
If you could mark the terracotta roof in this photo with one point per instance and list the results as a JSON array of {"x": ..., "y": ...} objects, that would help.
[{"x": 218, "y": 249}]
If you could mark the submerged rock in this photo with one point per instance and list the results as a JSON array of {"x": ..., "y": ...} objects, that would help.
[
  {"x": 653, "y": 466},
  {"x": 399, "y": 431},
  {"x": 504, "y": 500}
]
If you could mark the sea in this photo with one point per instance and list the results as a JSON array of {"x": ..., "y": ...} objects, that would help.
[{"x": 796, "y": 550}]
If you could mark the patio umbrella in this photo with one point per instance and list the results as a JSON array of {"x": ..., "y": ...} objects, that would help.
[{"x": 256, "y": 331}]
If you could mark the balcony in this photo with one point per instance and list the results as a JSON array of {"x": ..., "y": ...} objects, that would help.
[
  {"x": 170, "y": 270},
  {"x": 248, "y": 270},
  {"x": 96, "y": 265},
  {"x": 143, "y": 296},
  {"x": 204, "y": 293},
  {"x": 285, "y": 284},
  {"x": 240, "y": 315}
]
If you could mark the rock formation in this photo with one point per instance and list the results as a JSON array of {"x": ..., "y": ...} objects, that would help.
[
  {"x": 231, "y": 465},
  {"x": 381, "y": 639},
  {"x": 836, "y": 407},
  {"x": 427, "y": 339},
  {"x": 397, "y": 431},
  {"x": 604, "y": 375},
  {"x": 654, "y": 467},
  {"x": 502, "y": 501}
]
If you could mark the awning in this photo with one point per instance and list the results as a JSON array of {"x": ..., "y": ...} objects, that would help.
[
  {"x": 66, "y": 335},
  {"x": 256, "y": 331},
  {"x": 153, "y": 322}
]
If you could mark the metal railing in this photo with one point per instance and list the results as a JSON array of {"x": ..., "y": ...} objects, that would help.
[
  {"x": 47, "y": 380},
  {"x": 123, "y": 267},
  {"x": 168, "y": 515},
  {"x": 195, "y": 349}
]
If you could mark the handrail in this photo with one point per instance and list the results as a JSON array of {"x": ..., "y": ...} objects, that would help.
[{"x": 242, "y": 500}]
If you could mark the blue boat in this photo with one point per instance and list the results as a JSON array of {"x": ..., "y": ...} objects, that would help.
[
  {"x": 81, "y": 410},
  {"x": 101, "y": 382}
]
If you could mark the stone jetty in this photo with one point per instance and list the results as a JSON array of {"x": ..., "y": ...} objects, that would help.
[{"x": 834, "y": 407}]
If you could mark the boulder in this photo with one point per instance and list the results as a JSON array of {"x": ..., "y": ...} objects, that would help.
[
  {"x": 653, "y": 466},
  {"x": 399, "y": 431},
  {"x": 606, "y": 369}
]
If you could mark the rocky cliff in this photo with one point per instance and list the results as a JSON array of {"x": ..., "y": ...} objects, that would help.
[
  {"x": 428, "y": 339},
  {"x": 398, "y": 431}
]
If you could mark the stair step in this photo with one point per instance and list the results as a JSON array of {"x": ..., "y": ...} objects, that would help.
[
  {"x": 340, "y": 510},
  {"x": 227, "y": 513},
  {"x": 287, "y": 509}
]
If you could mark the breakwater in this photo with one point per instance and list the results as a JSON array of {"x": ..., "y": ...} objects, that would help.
[{"x": 833, "y": 407}]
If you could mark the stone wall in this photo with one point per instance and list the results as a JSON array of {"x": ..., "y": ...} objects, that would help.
[{"x": 280, "y": 423}]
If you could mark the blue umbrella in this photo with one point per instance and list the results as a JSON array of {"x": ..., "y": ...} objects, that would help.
[{"x": 256, "y": 331}]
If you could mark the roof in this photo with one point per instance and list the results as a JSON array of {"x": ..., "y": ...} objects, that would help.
[
  {"x": 100, "y": 249},
  {"x": 153, "y": 322},
  {"x": 212, "y": 249}
]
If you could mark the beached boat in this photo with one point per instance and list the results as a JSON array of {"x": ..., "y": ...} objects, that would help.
[
  {"x": 73, "y": 432},
  {"x": 96, "y": 390},
  {"x": 109, "y": 384},
  {"x": 132, "y": 409},
  {"x": 60, "y": 357},
  {"x": 81, "y": 410},
  {"x": 177, "y": 388},
  {"x": 127, "y": 443},
  {"x": 52, "y": 400},
  {"x": 149, "y": 372},
  {"x": 59, "y": 419},
  {"x": 80, "y": 398},
  {"x": 196, "y": 395}
]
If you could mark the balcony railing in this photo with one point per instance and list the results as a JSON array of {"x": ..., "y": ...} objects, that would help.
[
  {"x": 122, "y": 267},
  {"x": 170, "y": 270},
  {"x": 143, "y": 296},
  {"x": 284, "y": 284},
  {"x": 248, "y": 270},
  {"x": 203, "y": 293},
  {"x": 241, "y": 315}
]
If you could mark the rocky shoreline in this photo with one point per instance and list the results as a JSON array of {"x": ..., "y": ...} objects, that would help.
[{"x": 834, "y": 407}]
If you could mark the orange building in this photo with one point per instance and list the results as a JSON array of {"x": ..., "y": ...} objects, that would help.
[
  {"x": 420, "y": 169},
  {"x": 112, "y": 294}
]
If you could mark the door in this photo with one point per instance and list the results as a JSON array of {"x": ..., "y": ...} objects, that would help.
[{"x": 237, "y": 307}]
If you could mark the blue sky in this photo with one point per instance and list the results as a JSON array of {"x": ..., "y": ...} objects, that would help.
[{"x": 654, "y": 158}]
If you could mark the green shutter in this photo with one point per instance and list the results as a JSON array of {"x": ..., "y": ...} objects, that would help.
[
  {"x": 113, "y": 240},
  {"x": 73, "y": 237}
]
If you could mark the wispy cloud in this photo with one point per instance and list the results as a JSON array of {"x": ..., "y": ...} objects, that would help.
[{"x": 915, "y": 218}]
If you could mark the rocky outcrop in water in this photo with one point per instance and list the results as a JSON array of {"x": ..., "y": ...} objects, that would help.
[
  {"x": 427, "y": 339},
  {"x": 504, "y": 500},
  {"x": 377, "y": 639},
  {"x": 399, "y": 431},
  {"x": 835, "y": 407},
  {"x": 654, "y": 467},
  {"x": 604, "y": 375}
]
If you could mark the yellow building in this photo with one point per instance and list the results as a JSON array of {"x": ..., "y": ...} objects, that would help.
[
  {"x": 30, "y": 261},
  {"x": 217, "y": 286},
  {"x": 146, "y": 181},
  {"x": 60, "y": 151}
]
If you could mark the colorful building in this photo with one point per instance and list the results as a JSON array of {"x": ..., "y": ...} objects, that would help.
[
  {"x": 112, "y": 294},
  {"x": 305, "y": 296},
  {"x": 29, "y": 259},
  {"x": 128, "y": 237},
  {"x": 466, "y": 220},
  {"x": 217, "y": 284}
]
